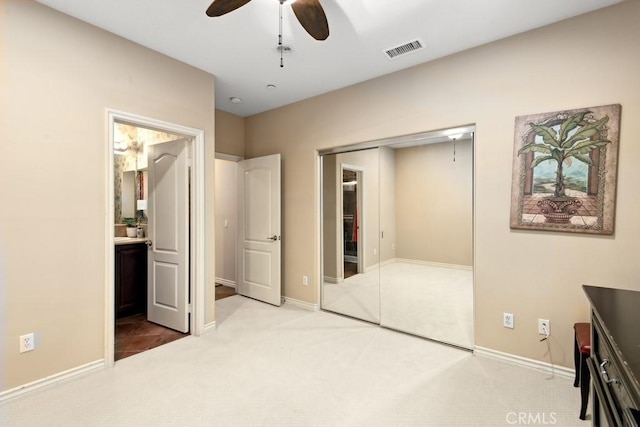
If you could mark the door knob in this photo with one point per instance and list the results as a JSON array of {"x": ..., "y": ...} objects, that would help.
[
  {"x": 149, "y": 243},
  {"x": 274, "y": 237}
]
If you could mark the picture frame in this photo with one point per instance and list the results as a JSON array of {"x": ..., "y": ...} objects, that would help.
[{"x": 565, "y": 170}]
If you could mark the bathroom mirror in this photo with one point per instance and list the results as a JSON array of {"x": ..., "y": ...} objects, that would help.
[
  {"x": 129, "y": 194},
  {"x": 130, "y": 159},
  {"x": 130, "y": 187}
]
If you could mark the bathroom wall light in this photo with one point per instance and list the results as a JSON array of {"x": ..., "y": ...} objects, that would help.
[
  {"x": 120, "y": 147},
  {"x": 141, "y": 205}
]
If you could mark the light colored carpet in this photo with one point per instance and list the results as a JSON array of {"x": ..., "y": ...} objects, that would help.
[
  {"x": 432, "y": 302},
  {"x": 269, "y": 366}
]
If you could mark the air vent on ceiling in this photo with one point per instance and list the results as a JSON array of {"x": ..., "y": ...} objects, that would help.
[{"x": 404, "y": 49}]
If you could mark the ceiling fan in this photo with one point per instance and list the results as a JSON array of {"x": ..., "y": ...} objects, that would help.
[{"x": 309, "y": 13}]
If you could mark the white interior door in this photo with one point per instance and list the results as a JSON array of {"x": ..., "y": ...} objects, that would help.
[
  {"x": 259, "y": 239},
  {"x": 168, "y": 231}
]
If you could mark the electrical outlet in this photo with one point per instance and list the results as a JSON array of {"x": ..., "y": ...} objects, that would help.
[
  {"x": 305, "y": 280},
  {"x": 544, "y": 327},
  {"x": 27, "y": 342},
  {"x": 507, "y": 320}
]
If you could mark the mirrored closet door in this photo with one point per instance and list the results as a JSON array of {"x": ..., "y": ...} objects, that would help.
[
  {"x": 350, "y": 200},
  {"x": 398, "y": 235}
]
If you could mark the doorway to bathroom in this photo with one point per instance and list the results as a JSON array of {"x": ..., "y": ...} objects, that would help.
[{"x": 154, "y": 274}]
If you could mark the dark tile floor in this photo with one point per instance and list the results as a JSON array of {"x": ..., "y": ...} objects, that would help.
[
  {"x": 350, "y": 269},
  {"x": 135, "y": 334},
  {"x": 224, "y": 291}
]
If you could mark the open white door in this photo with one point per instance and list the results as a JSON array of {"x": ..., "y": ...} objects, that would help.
[
  {"x": 168, "y": 232},
  {"x": 259, "y": 229}
]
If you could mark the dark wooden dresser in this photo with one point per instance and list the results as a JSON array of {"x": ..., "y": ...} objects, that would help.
[{"x": 615, "y": 356}]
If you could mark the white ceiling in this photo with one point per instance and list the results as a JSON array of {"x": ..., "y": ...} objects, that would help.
[{"x": 240, "y": 48}]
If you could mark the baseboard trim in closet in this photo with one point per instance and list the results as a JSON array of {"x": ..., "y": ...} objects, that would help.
[
  {"x": 538, "y": 365},
  {"x": 51, "y": 380},
  {"x": 435, "y": 264},
  {"x": 301, "y": 304}
]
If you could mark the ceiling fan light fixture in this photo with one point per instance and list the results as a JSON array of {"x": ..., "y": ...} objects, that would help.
[{"x": 235, "y": 100}]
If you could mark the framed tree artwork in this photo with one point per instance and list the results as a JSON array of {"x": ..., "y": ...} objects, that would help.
[{"x": 564, "y": 170}]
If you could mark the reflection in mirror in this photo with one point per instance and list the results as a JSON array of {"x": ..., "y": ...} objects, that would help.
[
  {"x": 350, "y": 234},
  {"x": 128, "y": 194},
  {"x": 428, "y": 288},
  {"x": 398, "y": 235},
  {"x": 130, "y": 168}
]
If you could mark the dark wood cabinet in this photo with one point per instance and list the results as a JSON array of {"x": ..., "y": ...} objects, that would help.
[
  {"x": 131, "y": 279},
  {"x": 614, "y": 363}
]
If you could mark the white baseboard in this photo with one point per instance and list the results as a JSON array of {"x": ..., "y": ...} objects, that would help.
[
  {"x": 301, "y": 304},
  {"x": 209, "y": 327},
  {"x": 51, "y": 380},
  {"x": 332, "y": 280},
  {"x": 380, "y": 265},
  {"x": 525, "y": 362},
  {"x": 225, "y": 282},
  {"x": 435, "y": 264}
]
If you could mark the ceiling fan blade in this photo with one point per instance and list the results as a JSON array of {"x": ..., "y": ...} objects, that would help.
[
  {"x": 312, "y": 18},
  {"x": 220, "y": 7}
]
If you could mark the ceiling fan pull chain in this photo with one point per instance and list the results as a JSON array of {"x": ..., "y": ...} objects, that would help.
[
  {"x": 280, "y": 37},
  {"x": 454, "y": 149}
]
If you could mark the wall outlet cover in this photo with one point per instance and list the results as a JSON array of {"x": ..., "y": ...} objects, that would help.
[
  {"x": 544, "y": 327},
  {"x": 507, "y": 320},
  {"x": 27, "y": 342}
]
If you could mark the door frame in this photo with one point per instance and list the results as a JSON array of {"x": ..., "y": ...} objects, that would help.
[
  {"x": 218, "y": 280},
  {"x": 359, "y": 170},
  {"x": 196, "y": 223}
]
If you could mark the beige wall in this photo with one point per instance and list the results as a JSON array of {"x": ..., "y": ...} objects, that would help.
[
  {"x": 388, "y": 204},
  {"x": 331, "y": 230},
  {"x": 434, "y": 203},
  {"x": 586, "y": 61},
  {"x": 58, "y": 76},
  {"x": 229, "y": 133}
]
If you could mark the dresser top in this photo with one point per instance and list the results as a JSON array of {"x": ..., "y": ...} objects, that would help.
[{"x": 619, "y": 311}]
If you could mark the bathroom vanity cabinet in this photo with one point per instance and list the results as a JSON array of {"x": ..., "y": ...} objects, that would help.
[{"x": 130, "y": 279}]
